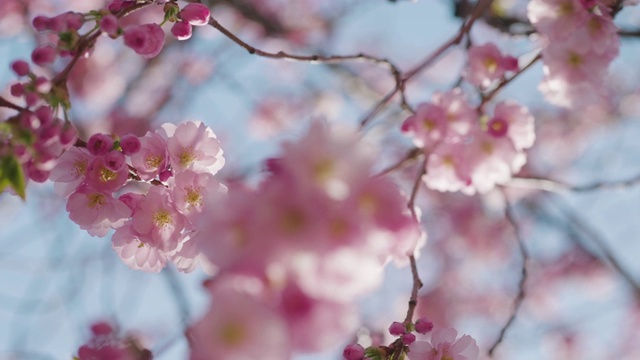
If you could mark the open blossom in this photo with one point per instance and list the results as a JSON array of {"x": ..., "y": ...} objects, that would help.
[
  {"x": 445, "y": 346},
  {"x": 157, "y": 222},
  {"x": 95, "y": 211},
  {"x": 146, "y": 40},
  {"x": 238, "y": 326},
  {"x": 152, "y": 157},
  {"x": 70, "y": 170},
  {"x": 193, "y": 146},
  {"x": 101, "y": 176},
  {"x": 136, "y": 254},
  {"x": 487, "y": 64}
]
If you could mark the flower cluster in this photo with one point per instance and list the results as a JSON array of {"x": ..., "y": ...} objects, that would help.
[
  {"x": 443, "y": 345},
  {"x": 106, "y": 344},
  {"x": 177, "y": 164},
  {"x": 467, "y": 152},
  {"x": 300, "y": 248},
  {"x": 581, "y": 40}
]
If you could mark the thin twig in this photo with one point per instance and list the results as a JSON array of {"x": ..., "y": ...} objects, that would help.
[
  {"x": 8, "y": 104},
  {"x": 410, "y": 156},
  {"x": 489, "y": 96},
  {"x": 560, "y": 187},
  {"x": 517, "y": 302},
  {"x": 599, "y": 241}
]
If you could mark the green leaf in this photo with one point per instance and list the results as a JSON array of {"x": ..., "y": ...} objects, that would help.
[{"x": 11, "y": 175}]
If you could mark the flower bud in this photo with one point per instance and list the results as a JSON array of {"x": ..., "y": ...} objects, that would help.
[{"x": 195, "y": 14}]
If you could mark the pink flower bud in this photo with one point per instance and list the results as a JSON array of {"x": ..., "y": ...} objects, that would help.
[
  {"x": 195, "y": 14},
  {"x": 130, "y": 144},
  {"x": 101, "y": 328},
  {"x": 423, "y": 325},
  {"x": 114, "y": 160},
  {"x": 41, "y": 23},
  {"x": 165, "y": 175},
  {"x": 31, "y": 99},
  {"x": 408, "y": 338},
  {"x": 43, "y": 85},
  {"x": 36, "y": 174},
  {"x": 17, "y": 90},
  {"x": 397, "y": 329},
  {"x": 48, "y": 132},
  {"x": 109, "y": 24},
  {"x": 181, "y": 30},
  {"x": 99, "y": 144},
  {"x": 20, "y": 67},
  {"x": 68, "y": 136},
  {"x": 73, "y": 20},
  {"x": 353, "y": 352},
  {"x": 146, "y": 40},
  {"x": 497, "y": 127},
  {"x": 29, "y": 121},
  {"x": 44, "y": 114},
  {"x": 510, "y": 63},
  {"x": 43, "y": 55},
  {"x": 58, "y": 23}
]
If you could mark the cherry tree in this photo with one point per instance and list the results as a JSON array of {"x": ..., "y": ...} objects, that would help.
[{"x": 384, "y": 180}]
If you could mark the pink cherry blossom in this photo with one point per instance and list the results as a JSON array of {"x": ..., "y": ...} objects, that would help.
[
  {"x": 520, "y": 127},
  {"x": 95, "y": 211},
  {"x": 136, "y": 254},
  {"x": 427, "y": 126},
  {"x": 353, "y": 352},
  {"x": 152, "y": 157},
  {"x": 486, "y": 64},
  {"x": 146, "y": 40},
  {"x": 157, "y": 222},
  {"x": 102, "y": 177},
  {"x": 238, "y": 326},
  {"x": 444, "y": 345},
  {"x": 70, "y": 170},
  {"x": 193, "y": 146}
]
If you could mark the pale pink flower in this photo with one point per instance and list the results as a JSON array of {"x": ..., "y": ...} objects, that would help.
[
  {"x": 193, "y": 146},
  {"x": 239, "y": 327},
  {"x": 574, "y": 62},
  {"x": 157, "y": 222},
  {"x": 190, "y": 191},
  {"x": 95, "y": 211},
  {"x": 520, "y": 127},
  {"x": 313, "y": 324},
  {"x": 146, "y": 40},
  {"x": 427, "y": 126},
  {"x": 500, "y": 160},
  {"x": 136, "y": 254},
  {"x": 102, "y": 177},
  {"x": 460, "y": 115},
  {"x": 557, "y": 19},
  {"x": 70, "y": 170},
  {"x": 486, "y": 65},
  {"x": 445, "y": 346},
  {"x": 152, "y": 157}
]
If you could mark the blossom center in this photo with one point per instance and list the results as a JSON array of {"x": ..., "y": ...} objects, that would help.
[
  {"x": 162, "y": 218},
  {"x": 107, "y": 175},
  {"x": 193, "y": 196},
  {"x": 186, "y": 157},
  {"x": 96, "y": 200},
  {"x": 80, "y": 167},
  {"x": 153, "y": 161},
  {"x": 491, "y": 65},
  {"x": 232, "y": 334}
]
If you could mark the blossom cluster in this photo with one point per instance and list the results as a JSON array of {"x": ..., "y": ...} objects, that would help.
[
  {"x": 294, "y": 253},
  {"x": 175, "y": 167},
  {"x": 36, "y": 136},
  {"x": 444, "y": 344},
  {"x": 468, "y": 152},
  {"x": 107, "y": 344},
  {"x": 580, "y": 41}
]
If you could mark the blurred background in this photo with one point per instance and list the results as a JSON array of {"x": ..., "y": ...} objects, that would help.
[{"x": 583, "y": 282}]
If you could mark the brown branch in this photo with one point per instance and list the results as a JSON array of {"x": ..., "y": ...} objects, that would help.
[
  {"x": 517, "y": 302},
  {"x": 410, "y": 156},
  {"x": 559, "y": 187},
  {"x": 8, "y": 104}
]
